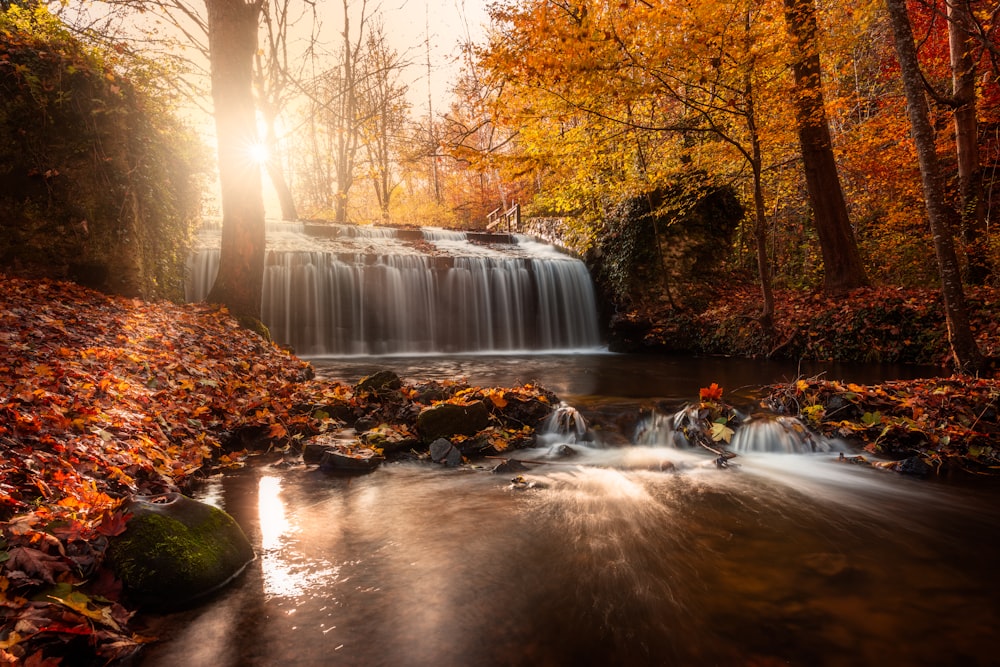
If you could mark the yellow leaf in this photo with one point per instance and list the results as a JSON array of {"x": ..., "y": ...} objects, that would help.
[
  {"x": 721, "y": 432},
  {"x": 80, "y": 603}
]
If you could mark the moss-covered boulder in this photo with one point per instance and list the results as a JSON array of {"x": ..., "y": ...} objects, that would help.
[{"x": 175, "y": 550}]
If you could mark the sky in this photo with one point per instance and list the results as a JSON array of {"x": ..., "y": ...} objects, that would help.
[{"x": 451, "y": 23}]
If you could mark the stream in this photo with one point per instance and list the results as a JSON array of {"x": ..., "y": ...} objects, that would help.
[{"x": 638, "y": 555}]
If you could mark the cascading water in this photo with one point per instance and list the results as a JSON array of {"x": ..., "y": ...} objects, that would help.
[
  {"x": 761, "y": 433},
  {"x": 348, "y": 290}
]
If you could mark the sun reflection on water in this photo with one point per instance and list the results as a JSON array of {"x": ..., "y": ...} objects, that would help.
[
  {"x": 285, "y": 570},
  {"x": 271, "y": 511}
]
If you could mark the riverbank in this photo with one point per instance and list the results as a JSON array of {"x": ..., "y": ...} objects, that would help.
[
  {"x": 105, "y": 397},
  {"x": 872, "y": 325}
]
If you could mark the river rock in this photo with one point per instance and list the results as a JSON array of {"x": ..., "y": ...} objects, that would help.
[
  {"x": 388, "y": 438},
  {"x": 175, "y": 550},
  {"x": 442, "y": 451},
  {"x": 509, "y": 466},
  {"x": 524, "y": 410},
  {"x": 378, "y": 383},
  {"x": 447, "y": 419},
  {"x": 312, "y": 452},
  {"x": 914, "y": 466}
]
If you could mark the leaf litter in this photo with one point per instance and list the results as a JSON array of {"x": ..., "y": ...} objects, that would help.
[{"x": 104, "y": 397}]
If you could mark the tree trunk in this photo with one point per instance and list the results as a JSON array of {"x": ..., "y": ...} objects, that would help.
[
  {"x": 964, "y": 349},
  {"x": 842, "y": 266},
  {"x": 970, "y": 173},
  {"x": 277, "y": 174},
  {"x": 347, "y": 132},
  {"x": 232, "y": 38},
  {"x": 760, "y": 213}
]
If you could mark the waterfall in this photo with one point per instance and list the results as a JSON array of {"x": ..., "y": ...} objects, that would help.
[{"x": 349, "y": 290}]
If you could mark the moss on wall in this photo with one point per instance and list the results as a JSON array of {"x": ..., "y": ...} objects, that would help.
[{"x": 98, "y": 184}]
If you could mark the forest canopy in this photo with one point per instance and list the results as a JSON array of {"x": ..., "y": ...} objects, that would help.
[{"x": 592, "y": 102}]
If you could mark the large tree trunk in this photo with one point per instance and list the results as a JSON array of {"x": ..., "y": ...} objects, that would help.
[
  {"x": 970, "y": 173},
  {"x": 963, "y": 344},
  {"x": 842, "y": 266},
  {"x": 232, "y": 39}
]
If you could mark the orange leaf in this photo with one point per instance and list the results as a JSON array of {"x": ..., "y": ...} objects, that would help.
[{"x": 711, "y": 393}]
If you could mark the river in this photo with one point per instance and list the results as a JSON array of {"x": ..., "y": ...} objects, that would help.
[{"x": 636, "y": 555}]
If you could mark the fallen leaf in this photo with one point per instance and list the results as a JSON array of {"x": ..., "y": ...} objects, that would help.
[{"x": 36, "y": 563}]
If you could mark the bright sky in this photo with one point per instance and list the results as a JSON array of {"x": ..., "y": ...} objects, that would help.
[{"x": 452, "y": 23}]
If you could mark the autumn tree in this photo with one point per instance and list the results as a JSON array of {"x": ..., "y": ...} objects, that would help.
[
  {"x": 961, "y": 42},
  {"x": 278, "y": 73},
  {"x": 842, "y": 264},
  {"x": 623, "y": 102},
  {"x": 231, "y": 27},
  {"x": 472, "y": 141},
  {"x": 964, "y": 349},
  {"x": 232, "y": 34},
  {"x": 348, "y": 128}
]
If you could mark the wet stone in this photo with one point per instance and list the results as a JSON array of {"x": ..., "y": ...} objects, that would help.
[
  {"x": 442, "y": 451},
  {"x": 176, "y": 549},
  {"x": 447, "y": 419},
  {"x": 380, "y": 382},
  {"x": 508, "y": 466}
]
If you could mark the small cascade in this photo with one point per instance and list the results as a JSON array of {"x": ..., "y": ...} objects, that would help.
[
  {"x": 350, "y": 290},
  {"x": 779, "y": 434},
  {"x": 760, "y": 433},
  {"x": 565, "y": 425},
  {"x": 659, "y": 430}
]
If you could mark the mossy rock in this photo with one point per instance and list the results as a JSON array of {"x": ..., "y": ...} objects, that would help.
[{"x": 175, "y": 550}]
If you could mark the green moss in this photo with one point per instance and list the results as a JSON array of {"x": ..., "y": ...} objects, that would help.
[
  {"x": 174, "y": 552},
  {"x": 255, "y": 325}
]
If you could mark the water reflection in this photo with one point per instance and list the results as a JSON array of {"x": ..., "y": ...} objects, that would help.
[
  {"x": 285, "y": 571},
  {"x": 271, "y": 510},
  {"x": 635, "y": 555},
  {"x": 607, "y": 560}
]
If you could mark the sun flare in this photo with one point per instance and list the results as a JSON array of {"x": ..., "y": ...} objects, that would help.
[{"x": 258, "y": 153}]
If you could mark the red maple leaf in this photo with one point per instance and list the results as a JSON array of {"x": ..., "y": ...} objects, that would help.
[
  {"x": 113, "y": 524},
  {"x": 711, "y": 393}
]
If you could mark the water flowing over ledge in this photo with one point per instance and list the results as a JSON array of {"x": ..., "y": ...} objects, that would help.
[{"x": 350, "y": 290}]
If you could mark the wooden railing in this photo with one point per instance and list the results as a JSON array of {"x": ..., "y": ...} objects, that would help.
[{"x": 501, "y": 220}]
